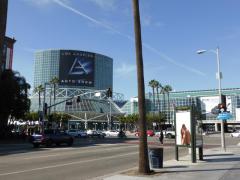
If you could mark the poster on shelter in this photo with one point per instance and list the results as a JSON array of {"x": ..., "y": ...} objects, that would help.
[
  {"x": 76, "y": 68},
  {"x": 183, "y": 128}
]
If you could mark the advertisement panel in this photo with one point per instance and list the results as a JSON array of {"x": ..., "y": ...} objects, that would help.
[
  {"x": 76, "y": 68},
  {"x": 183, "y": 128}
]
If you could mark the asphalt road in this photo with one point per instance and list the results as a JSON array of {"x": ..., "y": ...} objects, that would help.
[{"x": 87, "y": 159}]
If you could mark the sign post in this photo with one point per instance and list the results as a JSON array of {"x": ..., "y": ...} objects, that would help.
[{"x": 223, "y": 116}]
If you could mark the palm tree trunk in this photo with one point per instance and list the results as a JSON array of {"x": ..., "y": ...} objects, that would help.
[
  {"x": 143, "y": 167},
  {"x": 39, "y": 100},
  {"x": 153, "y": 99},
  {"x": 54, "y": 96},
  {"x": 158, "y": 100},
  {"x": 50, "y": 101},
  {"x": 168, "y": 109},
  {"x": 3, "y": 22}
]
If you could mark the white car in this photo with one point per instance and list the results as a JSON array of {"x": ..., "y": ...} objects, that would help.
[
  {"x": 168, "y": 134},
  {"x": 111, "y": 133},
  {"x": 77, "y": 133},
  {"x": 235, "y": 134}
]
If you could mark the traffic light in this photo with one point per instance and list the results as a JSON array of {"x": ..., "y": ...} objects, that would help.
[
  {"x": 45, "y": 107},
  {"x": 109, "y": 92},
  {"x": 78, "y": 99}
]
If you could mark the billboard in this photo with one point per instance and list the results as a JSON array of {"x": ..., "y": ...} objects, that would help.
[
  {"x": 209, "y": 105},
  {"x": 183, "y": 128},
  {"x": 76, "y": 68}
]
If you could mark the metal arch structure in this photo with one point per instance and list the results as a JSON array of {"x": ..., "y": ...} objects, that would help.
[{"x": 94, "y": 104}]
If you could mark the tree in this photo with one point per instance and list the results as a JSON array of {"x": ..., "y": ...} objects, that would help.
[
  {"x": 3, "y": 22},
  {"x": 143, "y": 167},
  {"x": 168, "y": 89},
  {"x": 38, "y": 90},
  {"x": 14, "y": 98},
  {"x": 54, "y": 81},
  {"x": 152, "y": 84},
  {"x": 157, "y": 86}
]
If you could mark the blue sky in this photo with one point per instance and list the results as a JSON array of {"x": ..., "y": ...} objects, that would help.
[{"x": 172, "y": 32}]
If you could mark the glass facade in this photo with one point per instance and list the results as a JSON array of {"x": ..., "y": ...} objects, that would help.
[
  {"x": 204, "y": 100},
  {"x": 47, "y": 66}
]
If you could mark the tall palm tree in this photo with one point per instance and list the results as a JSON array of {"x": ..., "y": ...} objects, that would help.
[
  {"x": 152, "y": 84},
  {"x": 38, "y": 90},
  {"x": 54, "y": 81},
  {"x": 168, "y": 89},
  {"x": 3, "y": 23},
  {"x": 143, "y": 166},
  {"x": 157, "y": 86}
]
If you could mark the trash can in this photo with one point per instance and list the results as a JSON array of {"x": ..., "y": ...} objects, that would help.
[{"x": 156, "y": 157}]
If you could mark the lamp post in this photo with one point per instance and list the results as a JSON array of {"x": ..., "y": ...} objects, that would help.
[
  {"x": 95, "y": 124},
  {"x": 219, "y": 77}
]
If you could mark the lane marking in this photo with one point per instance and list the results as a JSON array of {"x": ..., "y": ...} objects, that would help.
[
  {"x": 67, "y": 164},
  {"x": 72, "y": 153}
]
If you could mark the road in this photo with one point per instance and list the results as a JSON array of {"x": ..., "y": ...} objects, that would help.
[{"x": 87, "y": 159}]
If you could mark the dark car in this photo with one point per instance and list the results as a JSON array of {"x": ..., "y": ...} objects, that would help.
[{"x": 50, "y": 137}]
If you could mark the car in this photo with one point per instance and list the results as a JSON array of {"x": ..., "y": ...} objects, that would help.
[
  {"x": 93, "y": 133},
  {"x": 235, "y": 134},
  {"x": 149, "y": 133},
  {"x": 73, "y": 132},
  {"x": 111, "y": 133},
  {"x": 169, "y": 134},
  {"x": 77, "y": 133},
  {"x": 50, "y": 137}
]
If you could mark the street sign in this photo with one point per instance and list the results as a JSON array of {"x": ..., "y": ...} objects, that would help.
[{"x": 224, "y": 116}]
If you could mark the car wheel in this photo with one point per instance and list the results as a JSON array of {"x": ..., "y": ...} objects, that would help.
[
  {"x": 169, "y": 136},
  {"x": 35, "y": 145},
  {"x": 70, "y": 143},
  {"x": 49, "y": 143}
]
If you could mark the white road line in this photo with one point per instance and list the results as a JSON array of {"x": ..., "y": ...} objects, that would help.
[
  {"x": 66, "y": 164},
  {"x": 74, "y": 152}
]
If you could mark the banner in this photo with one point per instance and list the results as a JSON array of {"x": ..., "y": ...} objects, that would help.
[{"x": 76, "y": 68}]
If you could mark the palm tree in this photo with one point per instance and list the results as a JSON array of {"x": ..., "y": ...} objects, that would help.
[
  {"x": 152, "y": 84},
  {"x": 3, "y": 22},
  {"x": 38, "y": 90},
  {"x": 54, "y": 81},
  {"x": 168, "y": 89},
  {"x": 162, "y": 91},
  {"x": 143, "y": 166},
  {"x": 157, "y": 86}
]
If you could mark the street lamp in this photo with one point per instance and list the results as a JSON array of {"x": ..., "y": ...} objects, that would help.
[
  {"x": 95, "y": 126},
  {"x": 103, "y": 123},
  {"x": 219, "y": 77}
]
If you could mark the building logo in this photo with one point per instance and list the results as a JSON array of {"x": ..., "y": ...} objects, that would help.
[{"x": 76, "y": 68}]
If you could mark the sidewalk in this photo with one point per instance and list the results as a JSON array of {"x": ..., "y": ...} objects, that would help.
[{"x": 217, "y": 165}]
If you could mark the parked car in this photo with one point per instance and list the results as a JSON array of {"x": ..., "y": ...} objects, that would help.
[
  {"x": 93, "y": 133},
  {"x": 77, "y": 133},
  {"x": 111, "y": 133},
  {"x": 235, "y": 134},
  {"x": 50, "y": 137},
  {"x": 169, "y": 134},
  {"x": 149, "y": 133}
]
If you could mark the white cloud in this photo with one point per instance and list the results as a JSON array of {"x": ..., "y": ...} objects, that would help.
[
  {"x": 105, "y": 4},
  {"x": 125, "y": 69}
]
